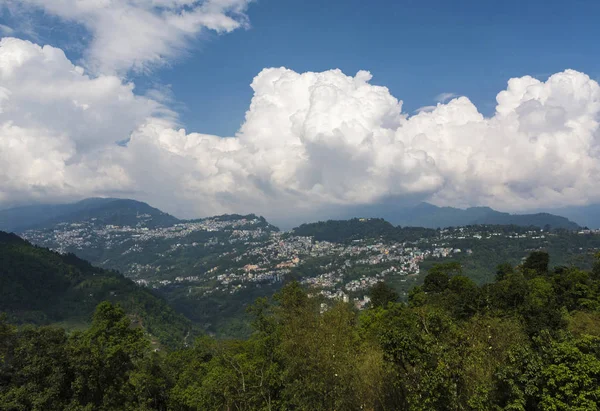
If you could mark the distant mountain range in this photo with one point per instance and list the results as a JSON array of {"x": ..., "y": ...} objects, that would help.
[
  {"x": 430, "y": 216},
  {"x": 114, "y": 211},
  {"x": 585, "y": 216},
  {"x": 107, "y": 211}
]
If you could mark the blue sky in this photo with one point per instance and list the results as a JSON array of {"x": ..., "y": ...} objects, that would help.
[
  {"x": 315, "y": 140},
  {"x": 417, "y": 49}
]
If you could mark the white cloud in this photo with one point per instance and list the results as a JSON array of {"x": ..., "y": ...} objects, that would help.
[
  {"x": 425, "y": 109},
  {"x": 445, "y": 97},
  {"x": 309, "y": 141},
  {"x": 5, "y": 30},
  {"x": 140, "y": 34},
  {"x": 56, "y": 122}
]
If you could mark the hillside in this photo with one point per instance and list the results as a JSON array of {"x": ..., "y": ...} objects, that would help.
[
  {"x": 43, "y": 287},
  {"x": 529, "y": 340},
  {"x": 340, "y": 231},
  {"x": 113, "y": 211},
  {"x": 211, "y": 269}
]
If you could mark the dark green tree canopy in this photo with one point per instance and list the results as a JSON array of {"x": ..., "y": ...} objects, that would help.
[
  {"x": 382, "y": 294},
  {"x": 439, "y": 275},
  {"x": 537, "y": 263},
  {"x": 528, "y": 341}
]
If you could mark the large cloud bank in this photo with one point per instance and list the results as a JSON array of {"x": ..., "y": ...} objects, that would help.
[{"x": 309, "y": 141}]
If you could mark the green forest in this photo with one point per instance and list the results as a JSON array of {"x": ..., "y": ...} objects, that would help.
[
  {"x": 530, "y": 340},
  {"x": 38, "y": 286}
]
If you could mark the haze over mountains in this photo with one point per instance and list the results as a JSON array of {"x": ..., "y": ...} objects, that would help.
[
  {"x": 107, "y": 210},
  {"x": 114, "y": 211},
  {"x": 586, "y": 216},
  {"x": 431, "y": 216}
]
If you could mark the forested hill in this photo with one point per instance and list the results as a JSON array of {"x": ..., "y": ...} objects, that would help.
[
  {"x": 106, "y": 211},
  {"x": 360, "y": 228},
  {"x": 43, "y": 287},
  {"x": 528, "y": 341}
]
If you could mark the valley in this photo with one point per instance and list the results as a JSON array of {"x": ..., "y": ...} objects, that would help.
[{"x": 211, "y": 269}]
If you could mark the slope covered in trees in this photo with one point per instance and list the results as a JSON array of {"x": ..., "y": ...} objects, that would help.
[
  {"x": 528, "y": 341},
  {"x": 340, "y": 231},
  {"x": 42, "y": 287}
]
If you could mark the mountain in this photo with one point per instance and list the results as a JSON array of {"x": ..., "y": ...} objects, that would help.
[
  {"x": 42, "y": 287},
  {"x": 107, "y": 211},
  {"x": 585, "y": 216},
  {"x": 431, "y": 216},
  {"x": 125, "y": 212},
  {"x": 357, "y": 229}
]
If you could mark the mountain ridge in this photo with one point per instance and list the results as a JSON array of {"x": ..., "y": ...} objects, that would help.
[
  {"x": 586, "y": 216},
  {"x": 117, "y": 211},
  {"x": 431, "y": 216}
]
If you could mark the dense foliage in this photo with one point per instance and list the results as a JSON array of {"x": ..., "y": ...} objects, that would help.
[
  {"x": 340, "y": 231},
  {"x": 42, "y": 287},
  {"x": 528, "y": 341}
]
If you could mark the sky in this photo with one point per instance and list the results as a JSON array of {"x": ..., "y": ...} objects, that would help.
[
  {"x": 417, "y": 49},
  {"x": 283, "y": 108}
]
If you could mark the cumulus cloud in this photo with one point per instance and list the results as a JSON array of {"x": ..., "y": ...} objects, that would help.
[
  {"x": 56, "y": 123},
  {"x": 309, "y": 142},
  {"x": 139, "y": 34}
]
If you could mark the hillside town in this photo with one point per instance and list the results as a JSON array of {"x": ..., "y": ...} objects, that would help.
[
  {"x": 66, "y": 237},
  {"x": 229, "y": 254}
]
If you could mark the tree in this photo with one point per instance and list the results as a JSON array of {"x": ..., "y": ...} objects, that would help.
[
  {"x": 7, "y": 332},
  {"x": 570, "y": 379},
  {"x": 503, "y": 270},
  {"x": 551, "y": 375},
  {"x": 540, "y": 309},
  {"x": 103, "y": 358},
  {"x": 510, "y": 293},
  {"x": 438, "y": 277},
  {"x": 536, "y": 263},
  {"x": 462, "y": 297},
  {"x": 596, "y": 269},
  {"x": 435, "y": 282},
  {"x": 41, "y": 375},
  {"x": 524, "y": 342},
  {"x": 382, "y": 294}
]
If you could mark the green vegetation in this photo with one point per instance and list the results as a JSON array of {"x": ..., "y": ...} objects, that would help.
[
  {"x": 42, "y": 287},
  {"x": 528, "y": 341},
  {"x": 564, "y": 247},
  {"x": 340, "y": 231}
]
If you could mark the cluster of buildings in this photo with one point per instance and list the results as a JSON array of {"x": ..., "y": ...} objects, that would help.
[
  {"x": 70, "y": 237},
  {"x": 330, "y": 268},
  {"x": 239, "y": 253}
]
